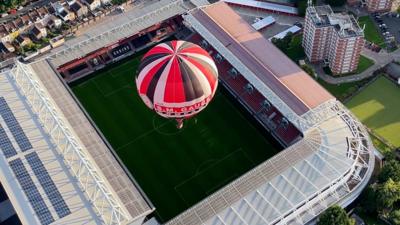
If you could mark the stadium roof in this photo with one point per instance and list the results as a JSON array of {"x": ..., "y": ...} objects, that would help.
[
  {"x": 27, "y": 157},
  {"x": 93, "y": 182},
  {"x": 269, "y": 64},
  {"x": 294, "y": 186},
  {"x": 109, "y": 31},
  {"x": 330, "y": 165}
]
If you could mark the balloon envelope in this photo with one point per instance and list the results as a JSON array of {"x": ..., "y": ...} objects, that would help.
[{"x": 177, "y": 79}]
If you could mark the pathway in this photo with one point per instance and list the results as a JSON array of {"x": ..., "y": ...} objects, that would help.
[{"x": 380, "y": 59}]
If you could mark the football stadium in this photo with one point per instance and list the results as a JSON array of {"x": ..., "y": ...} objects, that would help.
[{"x": 78, "y": 144}]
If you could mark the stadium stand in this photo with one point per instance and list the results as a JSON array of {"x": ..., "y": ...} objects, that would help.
[
  {"x": 60, "y": 137},
  {"x": 93, "y": 61},
  {"x": 331, "y": 164},
  {"x": 250, "y": 97},
  {"x": 329, "y": 158}
]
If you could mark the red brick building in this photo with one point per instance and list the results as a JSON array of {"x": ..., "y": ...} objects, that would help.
[
  {"x": 379, "y": 5},
  {"x": 332, "y": 37}
]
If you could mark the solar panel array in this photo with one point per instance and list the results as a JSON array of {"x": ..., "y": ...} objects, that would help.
[
  {"x": 48, "y": 185},
  {"x": 31, "y": 192},
  {"x": 21, "y": 172},
  {"x": 15, "y": 128},
  {"x": 5, "y": 144}
]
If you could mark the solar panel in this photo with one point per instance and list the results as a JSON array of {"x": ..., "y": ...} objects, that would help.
[
  {"x": 31, "y": 192},
  {"x": 5, "y": 144},
  {"x": 15, "y": 128},
  {"x": 48, "y": 185}
]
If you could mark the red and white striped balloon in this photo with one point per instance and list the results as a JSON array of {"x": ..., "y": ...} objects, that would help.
[{"x": 177, "y": 79}]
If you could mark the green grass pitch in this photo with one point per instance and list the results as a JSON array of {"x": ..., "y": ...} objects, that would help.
[
  {"x": 377, "y": 106},
  {"x": 175, "y": 168}
]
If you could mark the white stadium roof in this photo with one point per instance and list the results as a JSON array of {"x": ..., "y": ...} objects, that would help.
[
  {"x": 115, "y": 28},
  {"x": 42, "y": 151},
  {"x": 330, "y": 165},
  {"x": 64, "y": 142}
]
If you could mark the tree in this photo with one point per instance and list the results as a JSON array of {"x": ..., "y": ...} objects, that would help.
[
  {"x": 283, "y": 43},
  {"x": 368, "y": 200},
  {"x": 386, "y": 195},
  {"x": 335, "y": 2},
  {"x": 394, "y": 217},
  {"x": 390, "y": 170},
  {"x": 335, "y": 215}
]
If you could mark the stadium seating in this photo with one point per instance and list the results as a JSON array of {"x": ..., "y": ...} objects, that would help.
[{"x": 286, "y": 132}]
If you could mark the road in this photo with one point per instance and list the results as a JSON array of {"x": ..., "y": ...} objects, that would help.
[
  {"x": 381, "y": 59},
  {"x": 38, "y": 4}
]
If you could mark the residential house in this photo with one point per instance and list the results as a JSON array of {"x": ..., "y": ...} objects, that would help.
[
  {"x": 42, "y": 12},
  {"x": 26, "y": 20},
  {"x": 9, "y": 47},
  {"x": 4, "y": 34},
  {"x": 78, "y": 8},
  {"x": 38, "y": 31},
  {"x": 92, "y": 4},
  {"x": 6, "y": 51},
  {"x": 10, "y": 27},
  {"x": 53, "y": 22},
  {"x": 35, "y": 17},
  {"x": 18, "y": 24},
  {"x": 62, "y": 12},
  {"x": 12, "y": 31},
  {"x": 23, "y": 40}
]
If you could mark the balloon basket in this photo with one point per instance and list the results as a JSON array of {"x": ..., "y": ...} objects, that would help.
[{"x": 179, "y": 123}]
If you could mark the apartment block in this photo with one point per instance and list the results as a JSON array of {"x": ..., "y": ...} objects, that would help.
[
  {"x": 335, "y": 38},
  {"x": 379, "y": 5}
]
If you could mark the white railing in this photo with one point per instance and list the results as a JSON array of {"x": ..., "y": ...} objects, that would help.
[{"x": 93, "y": 185}]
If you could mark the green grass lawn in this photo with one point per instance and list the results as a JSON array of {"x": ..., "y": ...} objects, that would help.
[
  {"x": 175, "y": 168},
  {"x": 371, "y": 32},
  {"x": 363, "y": 64},
  {"x": 377, "y": 106}
]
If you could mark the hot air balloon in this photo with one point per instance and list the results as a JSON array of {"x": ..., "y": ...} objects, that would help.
[{"x": 177, "y": 79}]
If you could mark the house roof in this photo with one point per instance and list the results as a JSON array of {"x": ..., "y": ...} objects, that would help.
[
  {"x": 36, "y": 30},
  {"x": 10, "y": 26},
  {"x": 42, "y": 11},
  {"x": 22, "y": 38},
  {"x": 75, "y": 7},
  {"x": 18, "y": 23},
  {"x": 64, "y": 13},
  {"x": 25, "y": 19},
  {"x": 90, "y": 1},
  {"x": 3, "y": 31}
]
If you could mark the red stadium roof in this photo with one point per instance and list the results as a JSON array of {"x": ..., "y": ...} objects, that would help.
[{"x": 296, "y": 88}]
